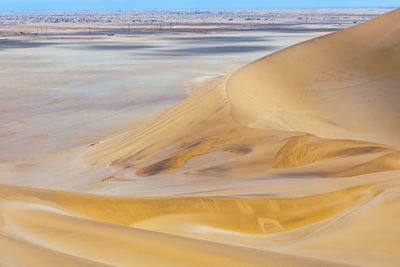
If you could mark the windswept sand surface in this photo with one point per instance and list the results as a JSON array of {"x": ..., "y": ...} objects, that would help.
[{"x": 291, "y": 160}]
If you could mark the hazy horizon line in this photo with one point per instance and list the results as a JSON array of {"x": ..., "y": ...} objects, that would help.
[{"x": 186, "y": 9}]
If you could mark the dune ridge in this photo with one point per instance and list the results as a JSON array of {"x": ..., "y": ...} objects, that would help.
[
  {"x": 293, "y": 160},
  {"x": 242, "y": 113},
  {"x": 41, "y": 217},
  {"x": 341, "y": 85}
]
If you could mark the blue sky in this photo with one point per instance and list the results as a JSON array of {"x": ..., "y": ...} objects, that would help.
[{"x": 49, "y": 5}]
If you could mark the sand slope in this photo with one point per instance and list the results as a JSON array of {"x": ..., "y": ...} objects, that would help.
[
  {"x": 341, "y": 85},
  {"x": 293, "y": 160}
]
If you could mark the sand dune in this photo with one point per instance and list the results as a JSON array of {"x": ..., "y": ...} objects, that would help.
[
  {"x": 341, "y": 85},
  {"x": 293, "y": 160},
  {"x": 38, "y": 220}
]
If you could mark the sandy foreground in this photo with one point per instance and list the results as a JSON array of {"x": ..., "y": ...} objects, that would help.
[{"x": 291, "y": 160}]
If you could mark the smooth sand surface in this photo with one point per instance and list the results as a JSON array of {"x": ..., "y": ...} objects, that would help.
[{"x": 292, "y": 160}]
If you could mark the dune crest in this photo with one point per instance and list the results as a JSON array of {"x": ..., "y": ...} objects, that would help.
[
  {"x": 293, "y": 160},
  {"x": 328, "y": 107},
  {"x": 341, "y": 85},
  {"x": 333, "y": 88}
]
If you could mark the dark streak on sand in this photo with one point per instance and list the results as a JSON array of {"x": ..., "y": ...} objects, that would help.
[
  {"x": 239, "y": 149},
  {"x": 156, "y": 168}
]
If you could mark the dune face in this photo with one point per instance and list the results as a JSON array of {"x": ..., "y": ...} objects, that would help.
[
  {"x": 293, "y": 160},
  {"x": 342, "y": 85},
  {"x": 334, "y": 97}
]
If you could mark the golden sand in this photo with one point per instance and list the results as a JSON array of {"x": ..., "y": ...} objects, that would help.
[{"x": 293, "y": 160}]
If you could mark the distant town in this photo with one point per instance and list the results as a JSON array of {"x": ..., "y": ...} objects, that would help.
[{"x": 237, "y": 16}]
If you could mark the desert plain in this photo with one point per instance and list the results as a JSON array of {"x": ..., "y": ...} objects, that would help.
[{"x": 260, "y": 138}]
